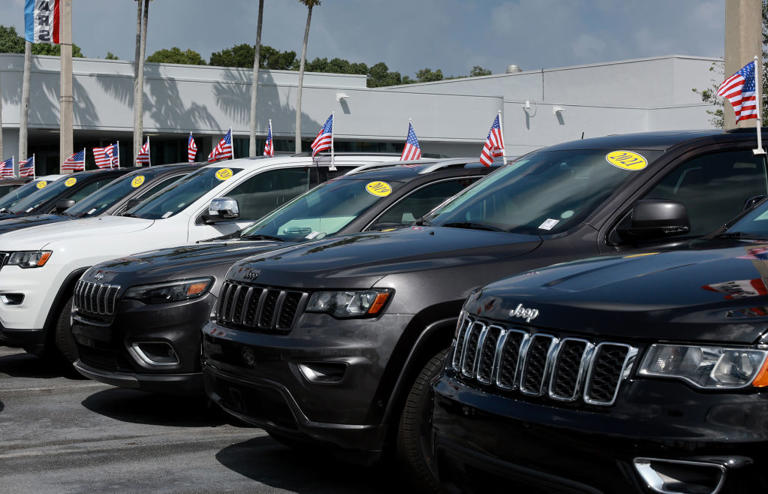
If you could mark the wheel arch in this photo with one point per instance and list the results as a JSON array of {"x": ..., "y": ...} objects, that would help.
[{"x": 65, "y": 290}]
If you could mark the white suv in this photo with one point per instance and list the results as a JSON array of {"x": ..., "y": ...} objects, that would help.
[{"x": 40, "y": 265}]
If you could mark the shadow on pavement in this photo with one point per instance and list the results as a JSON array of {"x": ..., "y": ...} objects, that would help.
[
  {"x": 141, "y": 407},
  {"x": 266, "y": 461},
  {"x": 23, "y": 364}
]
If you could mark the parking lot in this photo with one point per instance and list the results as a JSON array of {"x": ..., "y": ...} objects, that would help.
[{"x": 63, "y": 434}]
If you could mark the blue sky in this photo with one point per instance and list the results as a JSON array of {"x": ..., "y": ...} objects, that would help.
[{"x": 452, "y": 35}]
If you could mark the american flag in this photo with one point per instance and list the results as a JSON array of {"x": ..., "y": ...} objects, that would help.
[
  {"x": 324, "y": 139},
  {"x": 494, "y": 144},
  {"x": 191, "y": 149},
  {"x": 27, "y": 167},
  {"x": 269, "y": 146},
  {"x": 75, "y": 163},
  {"x": 142, "y": 158},
  {"x": 223, "y": 149},
  {"x": 412, "y": 150},
  {"x": 739, "y": 89},
  {"x": 106, "y": 157},
  {"x": 6, "y": 168}
]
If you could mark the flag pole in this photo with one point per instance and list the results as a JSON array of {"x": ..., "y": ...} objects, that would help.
[
  {"x": 272, "y": 142},
  {"x": 759, "y": 122},
  {"x": 232, "y": 143},
  {"x": 118, "y": 155},
  {"x": 149, "y": 153},
  {"x": 501, "y": 129},
  {"x": 34, "y": 165},
  {"x": 332, "y": 168}
]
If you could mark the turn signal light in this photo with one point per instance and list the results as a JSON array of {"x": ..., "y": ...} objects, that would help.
[
  {"x": 378, "y": 302},
  {"x": 761, "y": 380}
]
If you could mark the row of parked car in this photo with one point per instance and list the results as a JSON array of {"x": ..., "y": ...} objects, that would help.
[{"x": 405, "y": 310}]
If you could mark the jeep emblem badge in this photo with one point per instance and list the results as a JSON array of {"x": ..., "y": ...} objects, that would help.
[
  {"x": 251, "y": 274},
  {"x": 98, "y": 276},
  {"x": 524, "y": 313}
]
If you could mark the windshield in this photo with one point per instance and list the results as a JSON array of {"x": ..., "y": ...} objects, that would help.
[
  {"x": 323, "y": 211},
  {"x": 99, "y": 201},
  {"x": 41, "y": 196},
  {"x": 183, "y": 193},
  {"x": 753, "y": 224},
  {"x": 542, "y": 193},
  {"x": 13, "y": 197}
]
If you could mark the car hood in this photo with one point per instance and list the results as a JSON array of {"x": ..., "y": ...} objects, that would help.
[
  {"x": 704, "y": 295},
  {"x": 38, "y": 237},
  {"x": 202, "y": 259},
  {"x": 359, "y": 260},
  {"x": 19, "y": 222}
]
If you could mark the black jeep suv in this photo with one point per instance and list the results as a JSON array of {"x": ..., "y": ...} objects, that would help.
[
  {"x": 370, "y": 316},
  {"x": 632, "y": 374},
  {"x": 152, "y": 340}
]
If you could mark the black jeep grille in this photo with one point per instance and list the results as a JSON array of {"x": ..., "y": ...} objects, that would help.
[
  {"x": 539, "y": 364},
  {"x": 260, "y": 308},
  {"x": 95, "y": 298}
]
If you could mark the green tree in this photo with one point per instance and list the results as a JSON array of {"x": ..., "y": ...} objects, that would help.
[
  {"x": 176, "y": 55},
  {"x": 427, "y": 75},
  {"x": 478, "y": 71},
  {"x": 241, "y": 55},
  {"x": 278, "y": 60},
  {"x": 310, "y": 4},
  {"x": 12, "y": 42},
  {"x": 111, "y": 56},
  {"x": 379, "y": 75}
]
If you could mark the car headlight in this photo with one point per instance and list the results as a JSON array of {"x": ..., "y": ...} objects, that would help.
[
  {"x": 164, "y": 293},
  {"x": 709, "y": 367},
  {"x": 29, "y": 258},
  {"x": 349, "y": 303}
]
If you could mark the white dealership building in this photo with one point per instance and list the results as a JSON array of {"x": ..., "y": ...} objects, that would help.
[{"x": 451, "y": 117}]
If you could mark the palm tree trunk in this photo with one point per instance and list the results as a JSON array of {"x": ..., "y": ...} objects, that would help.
[
  {"x": 301, "y": 79},
  {"x": 255, "y": 87},
  {"x": 1, "y": 124},
  {"x": 24, "y": 110},
  {"x": 138, "y": 95}
]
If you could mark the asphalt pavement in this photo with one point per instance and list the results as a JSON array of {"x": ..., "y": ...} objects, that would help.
[{"x": 63, "y": 434}]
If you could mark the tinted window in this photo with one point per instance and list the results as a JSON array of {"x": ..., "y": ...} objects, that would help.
[
  {"x": 714, "y": 187},
  {"x": 10, "y": 199},
  {"x": 53, "y": 190},
  {"x": 419, "y": 202},
  {"x": 266, "y": 191}
]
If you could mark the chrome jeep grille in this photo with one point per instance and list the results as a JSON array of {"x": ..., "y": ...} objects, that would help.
[
  {"x": 95, "y": 298},
  {"x": 263, "y": 308},
  {"x": 539, "y": 364}
]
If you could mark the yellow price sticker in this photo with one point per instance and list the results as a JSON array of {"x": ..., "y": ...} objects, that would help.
[
  {"x": 137, "y": 181},
  {"x": 41, "y": 184},
  {"x": 378, "y": 189},
  {"x": 70, "y": 182},
  {"x": 224, "y": 174},
  {"x": 626, "y": 160}
]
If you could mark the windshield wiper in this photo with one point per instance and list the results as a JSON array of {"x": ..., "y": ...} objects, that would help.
[
  {"x": 262, "y": 237},
  {"x": 742, "y": 235},
  {"x": 475, "y": 226}
]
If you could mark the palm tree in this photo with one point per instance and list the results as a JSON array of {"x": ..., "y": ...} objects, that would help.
[
  {"x": 1, "y": 124},
  {"x": 310, "y": 4},
  {"x": 255, "y": 88},
  {"x": 138, "y": 82}
]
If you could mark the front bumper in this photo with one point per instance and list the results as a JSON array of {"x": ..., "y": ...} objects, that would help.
[
  {"x": 108, "y": 345},
  {"x": 484, "y": 440},
  {"x": 321, "y": 381},
  {"x": 20, "y": 323},
  {"x": 31, "y": 339}
]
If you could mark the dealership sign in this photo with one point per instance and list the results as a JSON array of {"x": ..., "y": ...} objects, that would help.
[{"x": 41, "y": 21}]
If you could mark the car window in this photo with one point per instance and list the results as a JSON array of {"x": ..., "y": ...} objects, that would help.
[
  {"x": 160, "y": 186},
  {"x": 420, "y": 202},
  {"x": 11, "y": 198},
  {"x": 90, "y": 189},
  {"x": 714, "y": 187},
  {"x": 266, "y": 191}
]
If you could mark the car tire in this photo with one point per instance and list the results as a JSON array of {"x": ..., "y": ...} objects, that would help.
[
  {"x": 414, "y": 432},
  {"x": 63, "y": 338}
]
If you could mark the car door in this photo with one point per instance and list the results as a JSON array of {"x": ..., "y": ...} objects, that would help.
[
  {"x": 256, "y": 196},
  {"x": 713, "y": 186}
]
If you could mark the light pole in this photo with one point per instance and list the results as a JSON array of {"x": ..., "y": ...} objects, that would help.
[{"x": 65, "y": 98}]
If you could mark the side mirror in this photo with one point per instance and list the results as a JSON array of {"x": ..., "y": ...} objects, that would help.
[
  {"x": 752, "y": 202},
  {"x": 63, "y": 205},
  {"x": 652, "y": 218},
  {"x": 222, "y": 208}
]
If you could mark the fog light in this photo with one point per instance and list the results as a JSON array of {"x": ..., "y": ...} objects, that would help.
[
  {"x": 12, "y": 298},
  {"x": 154, "y": 354},
  {"x": 680, "y": 477},
  {"x": 323, "y": 373}
]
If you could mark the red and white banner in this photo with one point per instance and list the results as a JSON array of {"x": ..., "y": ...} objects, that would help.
[{"x": 41, "y": 21}]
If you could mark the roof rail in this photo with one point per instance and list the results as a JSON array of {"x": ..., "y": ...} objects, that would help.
[
  {"x": 384, "y": 164},
  {"x": 447, "y": 163}
]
